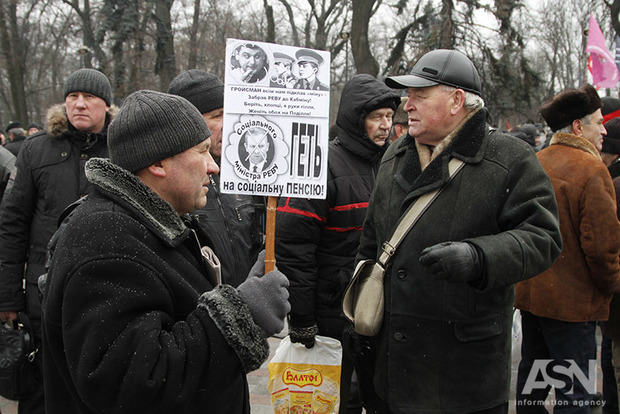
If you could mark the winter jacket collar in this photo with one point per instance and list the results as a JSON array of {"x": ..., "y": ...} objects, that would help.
[
  {"x": 469, "y": 145},
  {"x": 58, "y": 123},
  {"x": 126, "y": 188},
  {"x": 575, "y": 141}
]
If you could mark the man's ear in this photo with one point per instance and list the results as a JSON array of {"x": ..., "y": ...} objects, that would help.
[
  {"x": 458, "y": 101},
  {"x": 577, "y": 126},
  {"x": 157, "y": 169}
]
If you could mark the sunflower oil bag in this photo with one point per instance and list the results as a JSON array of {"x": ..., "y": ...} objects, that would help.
[{"x": 306, "y": 381}]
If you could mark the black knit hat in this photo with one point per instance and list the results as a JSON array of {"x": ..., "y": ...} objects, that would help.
[
  {"x": 89, "y": 81},
  {"x": 13, "y": 124},
  {"x": 611, "y": 141},
  {"x": 152, "y": 126},
  {"x": 204, "y": 90},
  {"x": 569, "y": 105}
]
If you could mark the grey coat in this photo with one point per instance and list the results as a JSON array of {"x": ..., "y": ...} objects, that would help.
[{"x": 445, "y": 347}]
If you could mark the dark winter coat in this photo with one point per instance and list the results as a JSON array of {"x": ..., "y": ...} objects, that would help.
[
  {"x": 579, "y": 285},
  {"x": 317, "y": 240},
  {"x": 131, "y": 322},
  {"x": 611, "y": 327},
  {"x": 50, "y": 176},
  {"x": 7, "y": 167},
  {"x": 235, "y": 224},
  {"x": 16, "y": 145},
  {"x": 445, "y": 347}
]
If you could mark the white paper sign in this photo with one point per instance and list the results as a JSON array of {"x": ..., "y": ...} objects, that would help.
[{"x": 276, "y": 120}]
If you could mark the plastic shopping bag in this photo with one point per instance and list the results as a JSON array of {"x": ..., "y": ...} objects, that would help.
[{"x": 306, "y": 381}]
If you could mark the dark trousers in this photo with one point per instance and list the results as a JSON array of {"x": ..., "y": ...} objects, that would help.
[
  {"x": 349, "y": 396},
  {"x": 610, "y": 387},
  {"x": 34, "y": 401},
  {"x": 561, "y": 342}
]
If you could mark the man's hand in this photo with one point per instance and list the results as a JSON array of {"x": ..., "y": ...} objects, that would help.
[
  {"x": 266, "y": 296},
  {"x": 455, "y": 262},
  {"x": 8, "y": 316},
  {"x": 305, "y": 336}
]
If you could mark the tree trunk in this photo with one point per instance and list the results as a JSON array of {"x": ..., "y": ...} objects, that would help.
[
  {"x": 10, "y": 45},
  {"x": 165, "y": 64},
  {"x": 271, "y": 25},
  {"x": 360, "y": 47},
  {"x": 193, "y": 37}
]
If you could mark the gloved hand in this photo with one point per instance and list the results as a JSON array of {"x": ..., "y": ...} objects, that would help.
[
  {"x": 305, "y": 336},
  {"x": 266, "y": 296},
  {"x": 455, "y": 262}
]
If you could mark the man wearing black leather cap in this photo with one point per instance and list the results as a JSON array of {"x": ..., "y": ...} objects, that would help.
[{"x": 445, "y": 341}]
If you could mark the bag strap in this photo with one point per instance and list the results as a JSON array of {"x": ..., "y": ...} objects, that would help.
[{"x": 413, "y": 213}]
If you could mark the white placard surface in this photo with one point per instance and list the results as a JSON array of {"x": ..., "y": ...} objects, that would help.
[{"x": 276, "y": 120}]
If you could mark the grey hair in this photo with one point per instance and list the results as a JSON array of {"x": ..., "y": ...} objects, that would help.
[
  {"x": 472, "y": 101},
  {"x": 568, "y": 129}
]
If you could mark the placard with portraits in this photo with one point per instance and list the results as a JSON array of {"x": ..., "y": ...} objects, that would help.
[{"x": 276, "y": 120}]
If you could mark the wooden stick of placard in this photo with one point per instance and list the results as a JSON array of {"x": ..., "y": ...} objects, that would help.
[{"x": 270, "y": 230}]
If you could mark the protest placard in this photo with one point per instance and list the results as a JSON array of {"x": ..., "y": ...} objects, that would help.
[{"x": 276, "y": 120}]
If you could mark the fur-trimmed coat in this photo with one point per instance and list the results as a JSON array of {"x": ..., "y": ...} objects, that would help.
[
  {"x": 50, "y": 176},
  {"x": 445, "y": 347},
  {"x": 131, "y": 322},
  {"x": 578, "y": 287}
]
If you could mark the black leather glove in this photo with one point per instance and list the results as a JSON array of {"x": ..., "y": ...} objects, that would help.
[
  {"x": 455, "y": 262},
  {"x": 305, "y": 336}
]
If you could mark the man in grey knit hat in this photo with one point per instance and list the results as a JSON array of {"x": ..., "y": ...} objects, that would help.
[
  {"x": 135, "y": 319},
  {"x": 50, "y": 176},
  {"x": 234, "y": 221}
]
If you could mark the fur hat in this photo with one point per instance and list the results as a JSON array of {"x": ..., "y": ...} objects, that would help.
[
  {"x": 89, "y": 81},
  {"x": 569, "y": 105},
  {"x": 611, "y": 141},
  {"x": 204, "y": 90},
  {"x": 152, "y": 126}
]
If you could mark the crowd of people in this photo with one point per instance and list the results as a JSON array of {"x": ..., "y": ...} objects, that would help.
[{"x": 146, "y": 289}]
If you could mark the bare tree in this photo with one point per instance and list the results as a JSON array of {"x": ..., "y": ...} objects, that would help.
[
  {"x": 12, "y": 48},
  {"x": 165, "y": 65},
  {"x": 365, "y": 62},
  {"x": 193, "y": 36}
]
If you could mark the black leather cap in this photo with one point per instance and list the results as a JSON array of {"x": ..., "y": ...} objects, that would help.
[{"x": 441, "y": 66}]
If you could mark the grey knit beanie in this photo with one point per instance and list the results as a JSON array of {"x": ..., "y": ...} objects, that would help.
[
  {"x": 204, "y": 90},
  {"x": 89, "y": 81},
  {"x": 152, "y": 126}
]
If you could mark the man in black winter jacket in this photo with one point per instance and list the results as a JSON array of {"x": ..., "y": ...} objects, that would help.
[
  {"x": 50, "y": 176},
  {"x": 317, "y": 240},
  {"x": 135, "y": 320},
  {"x": 234, "y": 221}
]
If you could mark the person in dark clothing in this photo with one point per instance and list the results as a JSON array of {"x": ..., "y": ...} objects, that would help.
[
  {"x": 50, "y": 176},
  {"x": 7, "y": 167},
  {"x": 610, "y": 154},
  {"x": 316, "y": 240},
  {"x": 445, "y": 339},
  {"x": 16, "y": 140},
  {"x": 135, "y": 320},
  {"x": 234, "y": 221}
]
